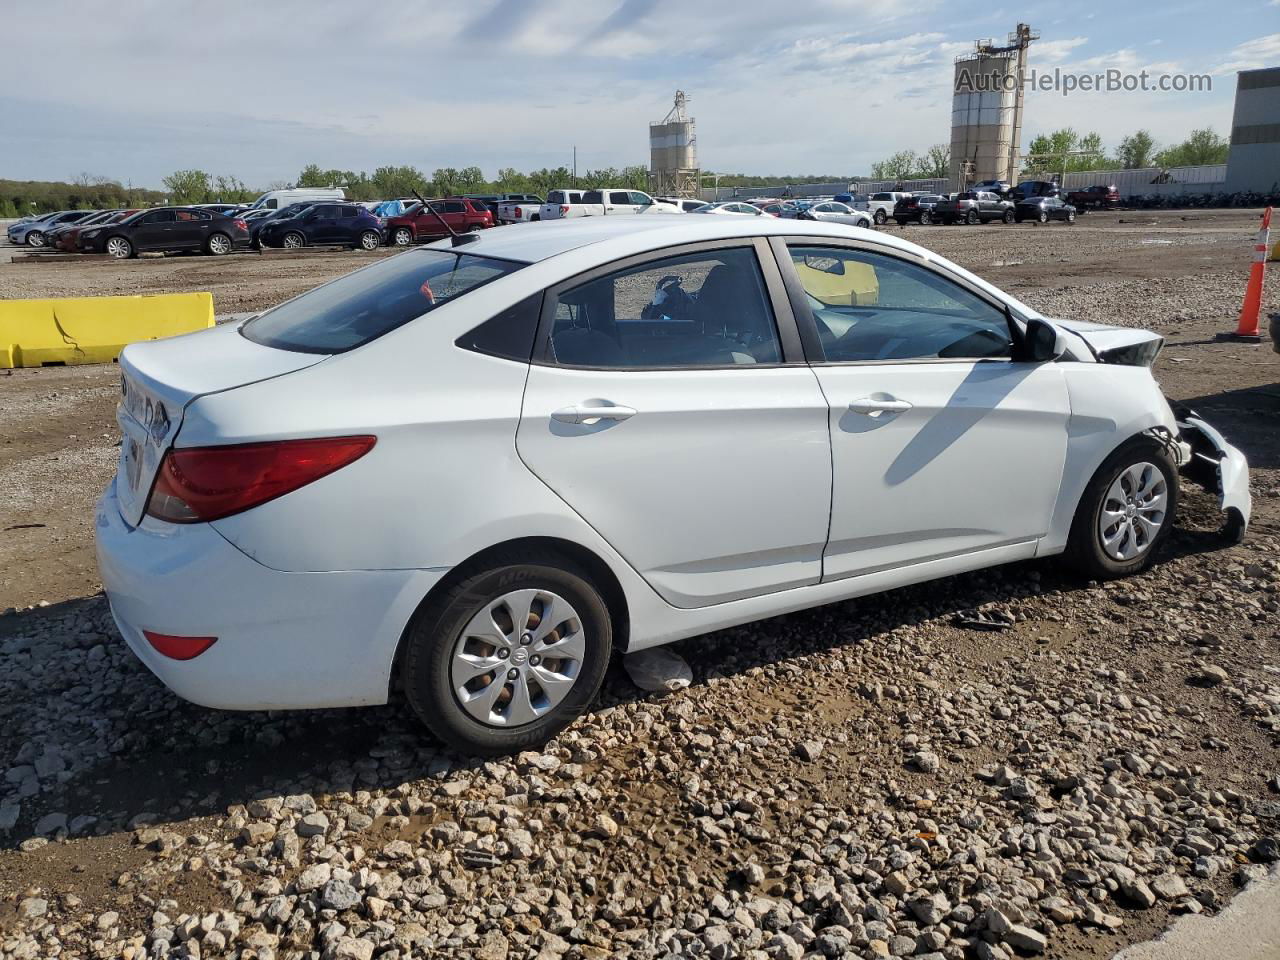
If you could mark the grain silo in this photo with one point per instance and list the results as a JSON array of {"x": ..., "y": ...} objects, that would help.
[
  {"x": 986, "y": 110},
  {"x": 673, "y": 153}
]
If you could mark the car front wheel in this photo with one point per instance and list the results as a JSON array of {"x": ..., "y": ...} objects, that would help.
[
  {"x": 402, "y": 237},
  {"x": 1071, "y": 216},
  {"x": 369, "y": 240},
  {"x": 509, "y": 656},
  {"x": 1008, "y": 216},
  {"x": 119, "y": 248},
  {"x": 293, "y": 240},
  {"x": 1043, "y": 217},
  {"x": 1125, "y": 512},
  {"x": 880, "y": 217},
  {"x": 35, "y": 239},
  {"x": 926, "y": 217}
]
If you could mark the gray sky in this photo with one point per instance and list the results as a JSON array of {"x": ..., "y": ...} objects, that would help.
[{"x": 258, "y": 89}]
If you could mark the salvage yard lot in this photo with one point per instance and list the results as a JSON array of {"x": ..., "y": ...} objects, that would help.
[{"x": 870, "y": 776}]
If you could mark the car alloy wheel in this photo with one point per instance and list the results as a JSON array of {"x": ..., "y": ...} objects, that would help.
[
  {"x": 369, "y": 240},
  {"x": 35, "y": 238},
  {"x": 971, "y": 217},
  {"x": 292, "y": 241},
  {"x": 926, "y": 217},
  {"x": 1008, "y": 216},
  {"x": 219, "y": 244},
  {"x": 120, "y": 248},
  {"x": 1071, "y": 217},
  {"x": 518, "y": 658},
  {"x": 881, "y": 217},
  {"x": 1043, "y": 217},
  {"x": 403, "y": 237},
  {"x": 1133, "y": 512}
]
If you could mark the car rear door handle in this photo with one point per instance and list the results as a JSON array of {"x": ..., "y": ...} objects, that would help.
[
  {"x": 592, "y": 413},
  {"x": 874, "y": 406}
]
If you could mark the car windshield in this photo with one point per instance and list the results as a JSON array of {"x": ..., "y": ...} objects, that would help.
[{"x": 362, "y": 306}]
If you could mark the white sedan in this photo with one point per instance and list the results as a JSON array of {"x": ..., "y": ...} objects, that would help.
[
  {"x": 475, "y": 469},
  {"x": 730, "y": 207},
  {"x": 832, "y": 211}
]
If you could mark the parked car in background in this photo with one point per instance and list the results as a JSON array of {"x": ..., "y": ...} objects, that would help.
[
  {"x": 261, "y": 216},
  {"x": 1034, "y": 188},
  {"x": 53, "y": 236},
  {"x": 275, "y": 199},
  {"x": 32, "y": 232},
  {"x": 558, "y": 203},
  {"x": 419, "y": 223},
  {"x": 773, "y": 208},
  {"x": 917, "y": 208},
  {"x": 168, "y": 230},
  {"x": 520, "y": 208},
  {"x": 998, "y": 187},
  {"x": 681, "y": 204},
  {"x": 833, "y": 212},
  {"x": 612, "y": 202},
  {"x": 973, "y": 206},
  {"x": 1100, "y": 196},
  {"x": 880, "y": 205},
  {"x": 1044, "y": 209},
  {"x": 325, "y": 224},
  {"x": 451, "y": 473},
  {"x": 731, "y": 208},
  {"x": 74, "y": 240}
]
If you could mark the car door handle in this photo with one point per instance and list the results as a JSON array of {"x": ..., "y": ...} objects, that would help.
[
  {"x": 592, "y": 413},
  {"x": 873, "y": 406}
]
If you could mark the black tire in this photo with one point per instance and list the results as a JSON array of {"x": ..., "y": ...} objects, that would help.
[
  {"x": 971, "y": 217},
  {"x": 536, "y": 218},
  {"x": 432, "y": 635},
  {"x": 880, "y": 217},
  {"x": 1084, "y": 548},
  {"x": 926, "y": 218},
  {"x": 1008, "y": 216},
  {"x": 1071, "y": 216},
  {"x": 35, "y": 239},
  {"x": 212, "y": 242},
  {"x": 1042, "y": 216},
  {"x": 402, "y": 237},
  {"x": 119, "y": 248},
  {"x": 368, "y": 240}
]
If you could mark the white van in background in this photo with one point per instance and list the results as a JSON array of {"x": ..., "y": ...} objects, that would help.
[{"x": 275, "y": 199}]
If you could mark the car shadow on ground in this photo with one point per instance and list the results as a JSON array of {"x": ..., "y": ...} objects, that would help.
[{"x": 176, "y": 761}]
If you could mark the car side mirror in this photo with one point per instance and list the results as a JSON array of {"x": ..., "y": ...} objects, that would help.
[{"x": 1041, "y": 342}]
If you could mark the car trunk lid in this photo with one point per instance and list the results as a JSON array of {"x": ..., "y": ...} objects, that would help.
[{"x": 159, "y": 378}]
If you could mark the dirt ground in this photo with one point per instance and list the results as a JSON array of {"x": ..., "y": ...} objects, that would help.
[{"x": 1071, "y": 648}]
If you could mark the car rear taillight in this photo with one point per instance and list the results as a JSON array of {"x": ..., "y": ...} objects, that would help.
[
  {"x": 199, "y": 484},
  {"x": 517, "y": 212},
  {"x": 178, "y": 648}
]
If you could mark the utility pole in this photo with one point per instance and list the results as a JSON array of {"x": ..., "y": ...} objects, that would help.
[{"x": 575, "y": 164}]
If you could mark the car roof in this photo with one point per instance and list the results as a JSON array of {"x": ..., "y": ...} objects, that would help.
[{"x": 624, "y": 236}]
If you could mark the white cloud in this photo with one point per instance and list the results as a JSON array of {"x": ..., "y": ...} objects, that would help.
[
  {"x": 1055, "y": 51},
  {"x": 1261, "y": 52}
]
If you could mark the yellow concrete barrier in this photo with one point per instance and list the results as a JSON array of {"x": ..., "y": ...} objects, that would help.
[
  {"x": 37, "y": 333},
  {"x": 1275, "y": 251}
]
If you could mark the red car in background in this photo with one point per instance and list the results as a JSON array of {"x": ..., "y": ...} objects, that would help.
[
  {"x": 463, "y": 214},
  {"x": 69, "y": 239}
]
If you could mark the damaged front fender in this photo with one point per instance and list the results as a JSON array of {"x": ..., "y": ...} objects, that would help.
[{"x": 1216, "y": 465}]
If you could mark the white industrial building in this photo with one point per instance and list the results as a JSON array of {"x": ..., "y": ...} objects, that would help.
[{"x": 1254, "y": 161}]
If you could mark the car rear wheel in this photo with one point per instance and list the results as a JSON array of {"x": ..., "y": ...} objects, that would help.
[
  {"x": 536, "y": 218},
  {"x": 35, "y": 239},
  {"x": 880, "y": 217},
  {"x": 369, "y": 240},
  {"x": 926, "y": 217},
  {"x": 293, "y": 240},
  {"x": 475, "y": 228},
  {"x": 971, "y": 217},
  {"x": 1043, "y": 216},
  {"x": 509, "y": 656},
  {"x": 402, "y": 237},
  {"x": 219, "y": 245},
  {"x": 1125, "y": 512},
  {"x": 119, "y": 248},
  {"x": 1008, "y": 216}
]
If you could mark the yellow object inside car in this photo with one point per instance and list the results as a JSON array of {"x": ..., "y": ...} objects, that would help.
[{"x": 838, "y": 282}]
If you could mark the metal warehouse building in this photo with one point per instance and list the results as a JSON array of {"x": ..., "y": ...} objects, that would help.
[{"x": 1254, "y": 161}]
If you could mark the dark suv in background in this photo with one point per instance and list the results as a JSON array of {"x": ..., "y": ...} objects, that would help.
[
  {"x": 917, "y": 208},
  {"x": 324, "y": 224},
  {"x": 167, "y": 230},
  {"x": 1034, "y": 188}
]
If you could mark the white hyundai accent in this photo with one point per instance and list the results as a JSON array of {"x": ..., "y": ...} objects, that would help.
[{"x": 474, "y": 469}]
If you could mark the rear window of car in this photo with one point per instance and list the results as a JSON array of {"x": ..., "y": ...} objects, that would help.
[{"x": 362, "y": 306}]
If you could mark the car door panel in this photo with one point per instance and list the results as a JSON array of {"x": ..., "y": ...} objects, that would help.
[{"x": 974, "y": 462}]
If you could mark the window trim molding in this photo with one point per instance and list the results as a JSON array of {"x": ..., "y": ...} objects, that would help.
[
  {"x": 808, "y": 328},
  {"x": 774, "y": 291}
]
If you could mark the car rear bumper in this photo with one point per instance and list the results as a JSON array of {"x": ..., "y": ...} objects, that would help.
[{"x": 284, "y": 640}]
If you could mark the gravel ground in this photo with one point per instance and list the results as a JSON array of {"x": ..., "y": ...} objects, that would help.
[{"x": 1010, "y": 762}]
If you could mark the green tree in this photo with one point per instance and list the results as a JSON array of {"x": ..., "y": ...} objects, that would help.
[
  {"x": 1203, "y": 146},
  {"x": 511, "y": 180},
  {"x": 1136, "y": 150},
  {"x": 312, "y": 176},
  {"x": 901, "y": 166},
  {"x": 936, "y": 162},
  {"x": 388, "y": 182},
  {"x": 187, "y": 186}
]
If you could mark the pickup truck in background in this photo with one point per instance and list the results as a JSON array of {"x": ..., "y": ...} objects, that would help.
[
  {"x": 973, "y": 206},
  {"x": 610, "y": 203},
  {"x": 520, "y": 208},
  {"x": 1098, "y": 197},
  {"x": 880, "y": 205},
  {"x": 558, "y": 203}
]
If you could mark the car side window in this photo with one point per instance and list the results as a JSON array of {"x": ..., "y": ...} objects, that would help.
[
  {"x": 159, "y": 216},
  {"x": 454, "y": 206},
  {"x": 619, "y": 196},
  {"x": 868, "y": 306},
  {"x": 708, "y": 308},
  {"x": 349, "y": 213},
  {"x": 187, "y": 216},
  {"x": 639, "y": 199}
]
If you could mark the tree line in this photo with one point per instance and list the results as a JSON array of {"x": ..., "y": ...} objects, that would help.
[{"x": 1068, "y": 150}]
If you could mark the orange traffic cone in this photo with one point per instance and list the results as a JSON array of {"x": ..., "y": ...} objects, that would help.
[{"x": 1247, "y": 328}]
